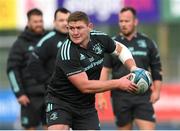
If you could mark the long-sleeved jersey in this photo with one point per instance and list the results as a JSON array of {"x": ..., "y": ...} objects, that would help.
[
  {"x": 20, "y": 78},
  {"x": 42, "y": 61}
]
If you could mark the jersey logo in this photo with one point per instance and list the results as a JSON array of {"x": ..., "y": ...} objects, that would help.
[
  {"x": 131, "y": 49},
  {"x": 59, "y": 44},
  {"x": 97, "y": 49},
  {"x": 30, "y": 48},
  {"x": 25, "y": 120},
  {"x": 82, "y": 57},
  {"x": 54, "y": 116},
  {"x": 142, "y": 43}
]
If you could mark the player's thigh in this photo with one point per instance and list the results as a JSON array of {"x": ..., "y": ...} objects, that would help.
[
  {"x": 58, "y": 114},
  {"x": 122, "y": 110},
  {"x": 38, "y": 103},
  {"x": 144, "y": 111},
  {"x": 145, "y": 125},
  {"x": 42, "y": 112},
  {"x": 58, "y": 127},
  {"x": 86, "y": 119}
]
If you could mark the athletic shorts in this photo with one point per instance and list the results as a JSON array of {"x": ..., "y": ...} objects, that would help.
[
  {"x": 128, "y": 106},
  {"x": 76, "y": 118},
  {"x": 34, "y": 113}
]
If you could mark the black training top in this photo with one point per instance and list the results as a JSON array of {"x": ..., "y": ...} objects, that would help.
[
  {"x": 144, "y": 52},
  {"x": 42, "y": 60},
  {"x": 20, "y": 78},
  {"x": 72, "y": 59}
]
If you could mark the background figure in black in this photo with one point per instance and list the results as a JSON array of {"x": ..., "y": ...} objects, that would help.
[
  {"x": 42, "y": 61},
  {"x": 29, "y": 92},
  {"x": 130, "y": 107}
]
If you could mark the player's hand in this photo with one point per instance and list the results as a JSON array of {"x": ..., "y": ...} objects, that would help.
[
  {"x": 127, "y": 85},
  {"x": 23, "y": 100},
  {"x": 102, "y": 102},
  {"x": 155, "y": 96}
]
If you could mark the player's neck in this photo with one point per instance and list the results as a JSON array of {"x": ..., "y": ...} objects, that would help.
[
  {"x": 84, "y": 44},
  {"x": 130, "y": 36}
]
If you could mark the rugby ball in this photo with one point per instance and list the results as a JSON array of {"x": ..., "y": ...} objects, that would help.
[{"x": 143, "y": 80}]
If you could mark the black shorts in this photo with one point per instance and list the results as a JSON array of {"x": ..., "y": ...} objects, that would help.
[
  {"x": 128, "y": 106},
  {"x": 35, "y": 113},
  {"x": 77, "y": 118}
]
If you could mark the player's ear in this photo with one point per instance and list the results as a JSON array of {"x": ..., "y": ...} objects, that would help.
[{"x": 91, "y": 26}]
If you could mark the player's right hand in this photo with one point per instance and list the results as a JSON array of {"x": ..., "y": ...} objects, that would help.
[
  {"x": 23, "y": 100},
  {"x": 126, "y": 84}
]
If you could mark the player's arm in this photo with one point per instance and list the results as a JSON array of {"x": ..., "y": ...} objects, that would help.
[
  {"x": 156, "y": 88},
  {"x": 68, "y": 61},
  {"x": 156, "y": 71},
  {"x": 125, "y": 56},
  {"x": 14, "y": 65},
  {"x": 85, "y": 85}
]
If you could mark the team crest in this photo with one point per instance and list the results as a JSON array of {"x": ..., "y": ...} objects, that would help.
[
  {"x": 82, "y": 57},
  {"x": 97, "y": 49},
  {"x": 30, "y": 48},
  {"x": 142, "y": 43}
]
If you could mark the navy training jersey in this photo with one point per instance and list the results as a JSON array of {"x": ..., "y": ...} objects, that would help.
[
  {"x": 145, "y": 54},
  {"x": 73, "y": 59}
]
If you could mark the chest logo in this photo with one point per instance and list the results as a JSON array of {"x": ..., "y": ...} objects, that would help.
[
  {"x": 142, "y": 43},
  {"x": 82, "y": 57},
  {"x": 54, "y": 116},
  {"x": 59, "y": 44},
  {"x": 97, "y": 49},
  {"x": 30, "y": 48}
]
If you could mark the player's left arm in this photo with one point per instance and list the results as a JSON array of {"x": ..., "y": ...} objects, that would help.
[
  {"x": 156, "y": 71},
  {"x": 156, "y": 89}
]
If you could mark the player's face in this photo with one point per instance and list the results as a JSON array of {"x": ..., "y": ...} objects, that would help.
[
  {"x": 127, "y": 23},
  {"x": 35, "y": 23},
  {"x": 60, "y": 23},
  {"x": 79, "y": 32}
]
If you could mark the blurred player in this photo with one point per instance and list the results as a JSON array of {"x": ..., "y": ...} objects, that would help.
[
  {"x": 130, "y": 107},
  {"x": 29, "y": 92},
  {"x": 71, "y": 93},
  {"x": 42, "y": 61}
]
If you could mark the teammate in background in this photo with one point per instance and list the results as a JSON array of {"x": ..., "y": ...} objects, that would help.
[
  {"x": 130, "y": 107},
  {"x": 29, "y": 92},
  {"x": 42, "y": 61},
  {"x": 71, "y": 93}
]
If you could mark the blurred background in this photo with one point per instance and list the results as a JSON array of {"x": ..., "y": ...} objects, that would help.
[{"x": 159, "y": 19}]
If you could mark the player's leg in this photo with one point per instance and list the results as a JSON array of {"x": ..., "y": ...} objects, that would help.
[
  {"x": 128, "y": 126},
  {"x": 122, "y": 111},
  {"x": 144, "y": 113},
  {"x": 42, "y": 112},
  {"x": 29, "y": 119},
  {"x": 58, "y": 116},
  {"x": 145, "y": 125},
  {"x": 59, "y": 127},
  {"x": 85, "y": 119}
]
